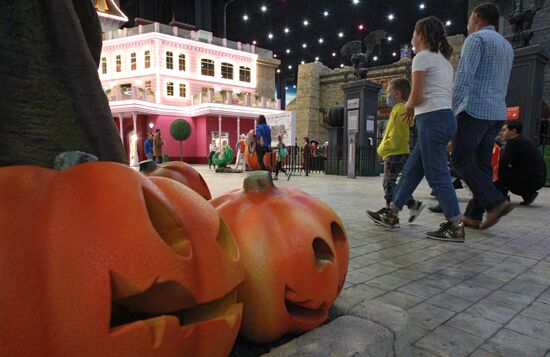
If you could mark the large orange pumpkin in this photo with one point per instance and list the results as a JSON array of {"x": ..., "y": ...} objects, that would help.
[
  {"x": 294, "y": 250},
  {"x": 179, "y": 171},
  {"x": 270, "y": 160},
  {"x": 99, "y": 260}
]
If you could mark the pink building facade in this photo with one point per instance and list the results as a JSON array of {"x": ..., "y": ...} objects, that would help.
[{"x": 154, "y": 74}]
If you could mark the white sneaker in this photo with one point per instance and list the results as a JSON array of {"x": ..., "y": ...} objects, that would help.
[{"x": 415, "y": 210}]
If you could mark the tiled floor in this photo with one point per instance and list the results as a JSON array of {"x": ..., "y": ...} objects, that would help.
[{"x": 487, "y": 297}]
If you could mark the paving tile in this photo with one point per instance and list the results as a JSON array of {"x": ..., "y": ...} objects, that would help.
[
  {"x": 357, "y": 277},
  {"x": 537, "y": 311},
  {"x": 449, "y": 302},
  {"x": 474, "y": 325},
  {"x": 544, "y": 297},
  {"x": 421, "y": 289},
  {"x": 507, "y": 343},
  {"x": 360, "y": 262},
  {"x": 530, "y": 327},
  {"x": 515, "y": 300},
  {"x": 418, "y": 352},
  {"x": 408, "y": 274},
  {"x": 370, "y": 292},
  {"x": 468, "y": 291},
  {"x": 416, "y": 333},
  {"x": 492, "y": 310},
  {"x": 376, "y": 270},
  {"x": 448, "y": 341},
  {"x": 482, "y": 353},
  {"x": 399, "y": 299},
  {"x": 428, "y": 316},
  {"x": 528, "y": 289},
  {"x": 388, "y": 282},
  {"x": 485, "y": 281},
  {"x": 535, "y": 278}
]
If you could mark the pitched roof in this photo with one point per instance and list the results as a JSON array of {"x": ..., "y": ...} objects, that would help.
[{"x": 109, "y": 8}]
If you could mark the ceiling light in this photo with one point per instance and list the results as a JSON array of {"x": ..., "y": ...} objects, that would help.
[
  {"x": 289, "y": 66},
  {"x": 390, "y": 38},
  {"x": 333, "y": 54},
  {"x": 375, "y": 58},
  {"x": 304, "y": 45},
  {"x": 303, "y": 62},
  {"x": 421, "y": 6},
  {"x": 394, "y": 54},
  {"x": 356, "y": 2},
  {"x": 340, "y": 34},
  {"x": 294, "y": 86},
  {"x": 286, "y": 88},
  {"x": 306, "y": 22},
  {"x": 270, "y": 36},
  {"x": 254, "y": 42},
  {"x": 264, "y": 8},
  {"x": 341, "y": 65},
  {"x": 361, "y": 27},
  {"x": 274, "y": 55},
  {"x": 391, "y": 17},
  {"x": 245, "y": 17},
  {"x": 288, "y": 50},
  {"x": 317, "y": 58},
  {"x": 321, "y": 40},
  {"x": 287, "y": 29},
  {"x": 325, "y": 13},
  {"x": 448, "y": 23},
  {"x": 278, "y": 70}
]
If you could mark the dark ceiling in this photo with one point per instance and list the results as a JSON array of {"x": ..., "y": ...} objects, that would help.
[{"x": 343, "y": 16}]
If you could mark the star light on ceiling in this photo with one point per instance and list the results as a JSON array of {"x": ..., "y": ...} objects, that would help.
[
  {"x": 317, "y": 58},
  {"x": 304, "y": 45},
  {"x": 306, "y": 22},
  {"x": 270, "y": 36},
  {"x": 263, "y": 8},
  {"x": 391, "y": 17},
  {"x": 288, "y": 50},
  {"x": 390, "y": 38},
  {"x": 375, "y": 58},
  {"x": 448, "y": 23},
  {"x": 355, "y": 2},
  {"x": 321, "y": 40},
  {"x": 287, "y": 30},
  {"x": 340, "y": 34},
  {"x": 361, "y": 27},
  {"x": 422, "y": 6},
  {"x": 325, "y": 13},
  {"x": 289, "y": 66}
]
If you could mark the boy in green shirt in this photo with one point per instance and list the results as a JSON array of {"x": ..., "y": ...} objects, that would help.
[{"x": 394, "y": 147}]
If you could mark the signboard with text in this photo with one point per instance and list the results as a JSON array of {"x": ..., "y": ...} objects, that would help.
[{"x": 283, "y": 124}]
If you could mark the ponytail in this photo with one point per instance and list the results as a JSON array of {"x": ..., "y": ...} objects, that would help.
[{"x": 445, "y": 49}]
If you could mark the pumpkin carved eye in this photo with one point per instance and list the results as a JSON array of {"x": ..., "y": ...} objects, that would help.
[
  {"x": 323, "y": 253},
  {"x": 226, "y": 242},
  {"x": 166, "y": 225},
  {"x": 338, "y": 234}
]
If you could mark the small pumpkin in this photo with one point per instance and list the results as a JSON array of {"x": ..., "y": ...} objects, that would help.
[
  {"x": 270, "y": 160},
  {"x": 113, "y": 264},
  {"x": 179, "y": 171},
  {"x": 294, "y": 250}
]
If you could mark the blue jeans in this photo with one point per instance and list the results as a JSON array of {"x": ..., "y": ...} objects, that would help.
[
  {"x": 429, "y": 157},
  {"x": 472, "y": 153}
]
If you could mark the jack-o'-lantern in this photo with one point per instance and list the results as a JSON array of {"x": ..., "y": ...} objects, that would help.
[
  {"x": 294, "y": 250},
  {"x": 103, "y": 261},
  {"x": 179, "y": 171},
  {"x": 270, "y": 160}
]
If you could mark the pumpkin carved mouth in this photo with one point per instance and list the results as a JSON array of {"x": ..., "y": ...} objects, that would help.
[
  {"x": 303, "y": 310},
  {"x": 123, "y": 316}
]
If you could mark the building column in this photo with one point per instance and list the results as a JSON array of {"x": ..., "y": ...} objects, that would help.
[
  {"x": 220, "y": 132},
  {"x": 238, "y": 128},
  {"x": 134, "y": 158}
]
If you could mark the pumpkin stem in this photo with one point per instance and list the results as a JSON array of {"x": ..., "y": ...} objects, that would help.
[{"x": 258, "y": 181}]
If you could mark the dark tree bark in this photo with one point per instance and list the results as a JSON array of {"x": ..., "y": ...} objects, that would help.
[{"x": 51, "y": 99}]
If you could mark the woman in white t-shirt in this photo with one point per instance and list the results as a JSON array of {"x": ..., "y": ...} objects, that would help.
[{"x": 430, "y": 101}]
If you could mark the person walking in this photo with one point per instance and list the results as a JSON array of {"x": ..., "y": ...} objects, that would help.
[
  {"x": 394, "y": 147},
  {"x": 211, "y": 151},
  {"x": 157, "y": 147},
  {"x": 479, "y": 92},
  {"x": 263, "y": 140},
  {"x": 148, "y": 147},
  {"x": 282, "y": 152},
  {"x": 430, "y": 101}
]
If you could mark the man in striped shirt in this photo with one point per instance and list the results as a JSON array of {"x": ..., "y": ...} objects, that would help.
[{"x": 479, "y": 92}]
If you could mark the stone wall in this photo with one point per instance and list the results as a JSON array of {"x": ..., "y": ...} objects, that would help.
[
  {"x": 265, "y": 77},
  {"x": 319, "y": 88}
]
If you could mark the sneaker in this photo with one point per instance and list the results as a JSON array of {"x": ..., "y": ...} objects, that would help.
[
  {"x": 457, "y": 184},
  {"x": 384, "y": 217},
  {"x": 528, "y": 199},
  {"x": 436, "y": 209},
  {"x": 448, "y": 232},
  {"x": 470, "y": 222},
  {"x": 494, "y": 215},
  {"x": 415, "y": 210}
]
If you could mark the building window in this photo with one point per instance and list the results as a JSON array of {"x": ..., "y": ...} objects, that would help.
[
  {"x": 147, "y": 63},
  {"x": 170, "y": 89},
  {"x": 182, "y": 62},
  {"x": 183, "y": 90},
  {"x": 104, "y": 65},
  {"x": 244, "y": 74},
  {"x": 227, "y": 70},
  {"x": 133, "y": 61},
  {"x": 118, "y": 60},
  {"x": 169, "y": 60},
  {"x": 207, "y": 67}
]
